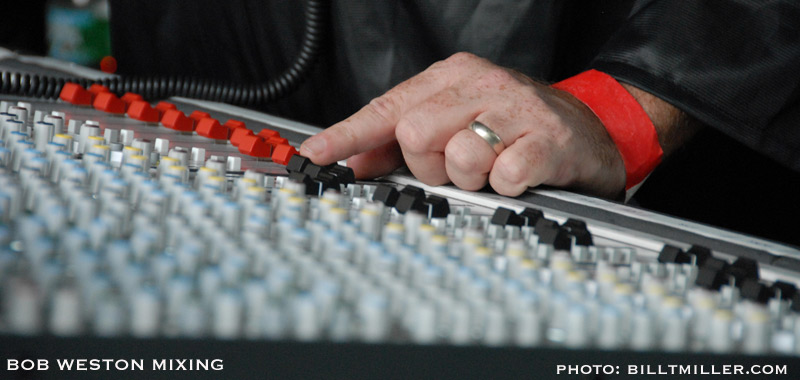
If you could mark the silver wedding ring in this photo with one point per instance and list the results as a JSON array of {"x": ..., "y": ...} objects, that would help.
[{"x": 488, "y": 135}]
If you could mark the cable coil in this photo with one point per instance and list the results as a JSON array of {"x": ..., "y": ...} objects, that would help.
[{"x": 33, "y": 85}]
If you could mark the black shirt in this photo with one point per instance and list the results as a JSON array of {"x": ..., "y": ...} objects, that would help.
[{"x": 733, "y": 65}]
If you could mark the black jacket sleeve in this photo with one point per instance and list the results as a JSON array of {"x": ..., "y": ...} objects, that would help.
[{"x": 732, "y": 64}]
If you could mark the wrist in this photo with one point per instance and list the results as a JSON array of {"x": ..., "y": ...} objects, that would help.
[{"x": 623, "y": 117}]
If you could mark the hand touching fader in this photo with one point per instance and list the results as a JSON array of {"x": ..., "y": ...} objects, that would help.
[{"x": 550, "y": 137}]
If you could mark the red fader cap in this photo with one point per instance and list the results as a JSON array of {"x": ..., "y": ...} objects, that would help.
[
  {"x": 130, "y": 97},
  {"x": 234, "y": 124},
  {"x": 254, "y": 146},
  {"x": 212, "y": 129},
  {"x": 238, "y": 134},
  {"x": 108, "y": 102},
  {"x": 175, "y": 119},
  {"x": 98, "y": 89},
  {"x": 163, "y": 106},
  {"x": 141, "y": 110},
  {"x": 75, "y": 94},
  {"x": 277, "y": 140},
  {"x": 268, "y": 133},
  {"x": 283, "y": 153},
  {"x": 198, "y": 115}
]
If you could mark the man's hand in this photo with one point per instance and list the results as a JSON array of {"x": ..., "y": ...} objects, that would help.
[{"x": 550, "y": 137}]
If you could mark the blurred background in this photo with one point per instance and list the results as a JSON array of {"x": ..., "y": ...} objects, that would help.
[{"x": 70, "y": 30}]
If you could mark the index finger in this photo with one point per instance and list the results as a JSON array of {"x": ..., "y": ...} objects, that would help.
[{"x": 374, "y": 124}]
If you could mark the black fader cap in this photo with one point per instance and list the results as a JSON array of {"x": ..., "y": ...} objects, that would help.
[
  {"x": 385, "y": 194},
  {"x": 413, "y": 191},
  {"x": 700, "y": 253},
  {"x": 437, "y": 206},
  {"x": 343, "y": 174},
  {"x": 531, "y": 216},
  {"x": 411, "y": 198},
  {"x": 711, "y": 278},
  {"x": 312, "y": 188},
  {"x": 545, "y": 223},
  {"x": 787, "y": 290},
  {"x": 327, "y": 181},
  {"x": 715, "y": 263},
  {"x": 796, "y": 302},
  {"x": 755, "y": 291},
  {"x": 297, "y": 163},
  {"x": 743, "y": 269},
  {"x": 554, "y": 235},
  {"x": 673, "y": 254},
  {"x": 577, "y": 229},
  {"x": 506, "y": 217},
  {"x": 313, "y": 170}
]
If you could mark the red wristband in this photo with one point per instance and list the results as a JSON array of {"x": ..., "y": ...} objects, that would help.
[{"x": 624, "y": 119}]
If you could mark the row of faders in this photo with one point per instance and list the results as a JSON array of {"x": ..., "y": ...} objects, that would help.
[
  {"x": 89, "y": 248},
  {"x": 266, "y": 144}
]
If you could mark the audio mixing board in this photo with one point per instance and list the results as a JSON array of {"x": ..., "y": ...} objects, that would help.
[{"x": 191, "y": 230}]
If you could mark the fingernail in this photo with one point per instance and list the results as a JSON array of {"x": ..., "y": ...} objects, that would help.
[{"x": 312, "y": 147}]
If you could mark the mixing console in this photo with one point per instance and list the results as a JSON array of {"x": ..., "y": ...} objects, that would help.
[{"x": 192, "y": 222}]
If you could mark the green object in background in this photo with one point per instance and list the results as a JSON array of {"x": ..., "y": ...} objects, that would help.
[{"x": 78, "y": 34}]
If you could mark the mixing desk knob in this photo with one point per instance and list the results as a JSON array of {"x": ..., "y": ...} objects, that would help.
[
  {"x": 181, "y": 154},
  {"x": 218, "y": 164},
  {"x": 198, "y": 156},
  {"x": 42, "y": 133},
  {"x": 129, "y": 152},
  {"x": 145, "y": 145},
  {"x": 642, "y": 331},
  {"x": 192, "y": 321},
  {"x": 675, "y": 330},
  {"x": 126, "y": 137},
  {"x": 23, "y": 302},
  {"x": 720, "y": 336},
  {"x": 57, "y": 121},
  {"x": 757, "y": 331},
  {"x": 11, "y": 126},
  {"x": 181, "y": 172},
  {"x": 19, "y": 113},
  {"x": 228, "y": 314},
  {"x": 161, "y": 146},
  {"x": 234, "y": 164},
  {"x": 145, "y": 312}
]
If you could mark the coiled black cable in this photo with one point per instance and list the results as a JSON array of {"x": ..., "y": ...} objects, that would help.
[{"x": 22, "y": 84}]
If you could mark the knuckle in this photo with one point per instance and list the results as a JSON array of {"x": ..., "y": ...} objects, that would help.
[
  {"x": 513, "y": 172},
  {"x": 506, "y": 189},
  {"x": 462, "y": 158},
  {"x": 462, "y": 57},
  {"x": 384, "y": 107},
  {"x": 410, "y": 134},
  {"x": 495, "y": 77}
]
